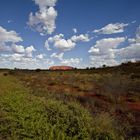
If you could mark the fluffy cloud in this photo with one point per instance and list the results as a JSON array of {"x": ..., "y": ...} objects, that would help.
[
  {"x": 17, "y": 55},
  {"x": 44, "y": 20},
  {"x": 74, "y": 30},
  {"x": 47, "y": 45},
  {"x": 98, "y": 61},
  {"x": 58, "y": 56},
  {"x": 131, "y": 40},
  {"x": 106, "y": 46},
  {"x": 19, "y": 60},
  {"x": 107, "y": 51},
  {"x": 18, "y": 48},
  {"x": 4, "y": 47},
  {"x": 112, "y": 28},
  {"x": 66, "y": 61},
  {"x": 82, "y": 37},
  {"x": 29, "y": 51},
  {"x": 65, "y": 44},
  {"x": 103, "y": 52},
  {"x": 21, "y": 49},
  {"x": 44, "y": 3},
  {"x": 130, "y": 52},
  {"x": 60, "y": 43},
  {"x": 72, "y": 61},
  {"x": 9, "y": 36},
  {"x": 40, "y": 56}
]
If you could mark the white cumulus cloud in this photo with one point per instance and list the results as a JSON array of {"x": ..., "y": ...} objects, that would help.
[
  {"x": 29, "y": 51},
  {"x": 9, "y": 36},
  {"x": 130, "y": 52},
  {"x": 81, "y": 37},
  {"x": 40, "y": 56},
  {"x": 105, "y": 46},
  {"x": 43, "y": 20},
  {"x": 63, "y": 44},
  {"x": 104, "y": 51},
  {"x": 71, "y": 61},
  {"x": 112, "y": 28},
  {"x": 18, "y": 48},
  {"x": 58, "y": 56}
]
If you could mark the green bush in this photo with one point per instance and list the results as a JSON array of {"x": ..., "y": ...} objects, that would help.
[
  {"x": 70, "y": 118},
  {"x": 25, "y": 116},
  {"x": 105, "y": 128}
]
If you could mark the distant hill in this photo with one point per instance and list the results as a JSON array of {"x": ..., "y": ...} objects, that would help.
[{"x": 61, "y": 68}]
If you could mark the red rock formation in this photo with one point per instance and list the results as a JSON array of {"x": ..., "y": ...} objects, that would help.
[{"x": 61, "y": 68}]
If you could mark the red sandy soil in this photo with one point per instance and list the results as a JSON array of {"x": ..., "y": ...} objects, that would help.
[{"x": 133, "y": 106}]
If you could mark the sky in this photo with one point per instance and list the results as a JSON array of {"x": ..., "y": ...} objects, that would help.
[{"x": 79, "y": 33}]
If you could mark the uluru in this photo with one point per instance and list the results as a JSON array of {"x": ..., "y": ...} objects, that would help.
[{"x": 61, "y": 68}]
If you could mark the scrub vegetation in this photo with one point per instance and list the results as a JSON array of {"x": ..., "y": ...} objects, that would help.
[{"x": 86, "y": 104}]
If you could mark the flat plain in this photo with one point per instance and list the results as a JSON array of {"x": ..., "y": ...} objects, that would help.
[{"x": 101, "y": 104}]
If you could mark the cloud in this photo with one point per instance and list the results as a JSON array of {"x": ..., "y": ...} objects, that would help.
[
  {"x": 131, "y": 40},
  {"x": 104, "y": 51},
  {"x": 47, "y": 45},
  {"x": 43, "y": 20},
  {"x": 9, "y": 36},
  {"x": 60, "y": 43},
  {"x": 18, "y": 48},
  {"x": 29, "y": 51},
  {"x": 4, "y": 47},
  {"x": 105, "y": 46},
  {"x": 63, "y": 44},
  {"x": 99, "y": 61},
  {"x": 81, "y": 37},
  {"x": 40, "y": 56},
  {"x": 58, "y": 56},
  {"x": 137, "y": 37},
  {"x": 112, "y": 28},
  {"x": 55, "y": 38},
  {"x": 21, "y": 49},
  {"x": 108, "y": 52},
  {"x": 72, "y": 61},
  {"x": 130, "y": 52},
  {"x": 74, "y": 30},
  {"x": 17, "y": 57},
  {"x": 19, "y": 60}
]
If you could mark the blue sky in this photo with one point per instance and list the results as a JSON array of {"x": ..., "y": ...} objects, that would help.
[{"x": 79, "y": 33}]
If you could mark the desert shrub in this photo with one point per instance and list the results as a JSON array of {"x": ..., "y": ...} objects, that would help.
[
  {"x": 38, "y": 70},
  {"x": 5, "y": 74},
  {"x": 70, "y": 118},
  {"x": 105, "y": 128},
  {"x": 28, "y": 117},
  {"x": 24, "y": 116}
]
